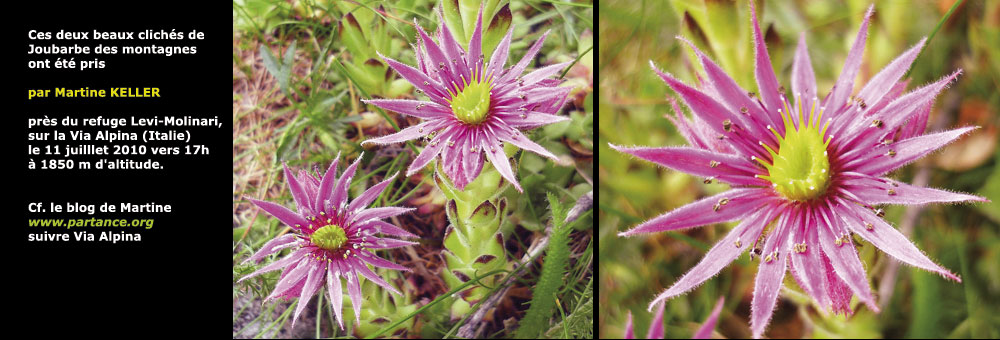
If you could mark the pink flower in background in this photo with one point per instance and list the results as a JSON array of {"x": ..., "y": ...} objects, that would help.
[
  {"x": 656, "y": 328},
  {"x": 475, "y": 105},
  {"x": 330, "y": 239},
  {"x": 814, "y": 167}
]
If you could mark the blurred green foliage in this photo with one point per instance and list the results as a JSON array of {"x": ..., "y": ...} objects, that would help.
[{"x": 963, "y": 238}]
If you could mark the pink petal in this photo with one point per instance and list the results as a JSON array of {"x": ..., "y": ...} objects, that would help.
[
  {"x": 656, "y": 328},
  {"x": 312, "y": 283},
  {"x": 498, "y": 158},
  {"x": 409, "y": 133},
  {"x": 917, "y": 123},
  {"x": 629, "y": 333},
  {"x": 499, "y": 57},
  {"x": 388, "y": 243},
  {"x": 326, "y": 185},
  {"x": 874, "y": 191},
  {"x": 726, "y": 168},
  {"x": 426, "y": 110},
  {"x": 892, "y": 116},
  {"x": 298, "y": 193},
  {"x": 889, "y": 240},
  {"x": 292, "y": 258},
  {"x": 713, "y": 113},
  {"x": 335, "y": 292},
  {"x": 437, "y": 60},
  {"x": 907, "y": 151},
  {"x": 839, "y": 292},
  {"x": 452, "y": 49},
  {"x": 370, "y": 195},
  {"x": 338, "y": 199},
  {"x": 844, "y": 257},
  {"x": 518, "y": 68},
  {"x": 807, "y": 267},
  {"x": 543, "y": 73},
  {"x": 803, "y": 78},
  {"x": 374, "y": 260},
  {"x": 367, "y": 273},
  {"x": 767, "y": 82},
  {"x": 883, "y": 82},
  {"x": 384, "y": 228},
  {"x": 419, "y": 79},
  {"x": 533, "y": 120},
  {"x": 272, "y": 246},
  {"x": 724, "y": 252},
  {"x": 476, "y": 41},
  {"x": 283, "y": 214},
  {"x": 518, "y": 139},
  {"x": 378, "y": 213},
  {"x": 705, "y": 332},
  {"x": 684, "y": 127},
  {"x": 741, "y": 202},
  {"x": 845, "y": 84},
  {"x": 770, "y": 273},
  {"x": 354, "y": 292},
  {"x": 735, "y": 98},
  {"x": 294, "y": 276},
  {"x": 430, "y": 151}
]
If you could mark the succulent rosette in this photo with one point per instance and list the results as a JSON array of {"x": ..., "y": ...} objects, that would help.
[
  {"x": 473, "y": 105},
  {"x": 815, "y": 168},
  {"x": 330, "y": 239}
]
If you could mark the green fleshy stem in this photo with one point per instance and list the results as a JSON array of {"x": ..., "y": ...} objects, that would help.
[{"x": 473, "y": 242}]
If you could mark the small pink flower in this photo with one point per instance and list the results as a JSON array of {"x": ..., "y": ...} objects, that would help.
[
  {"x": 475, "y": 105},
  {"x": 331, "y": 239},
  {"x": 814, "y": 166}
]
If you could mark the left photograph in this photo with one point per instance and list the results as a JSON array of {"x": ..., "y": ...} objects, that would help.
[{"x": 413, "y": 169}]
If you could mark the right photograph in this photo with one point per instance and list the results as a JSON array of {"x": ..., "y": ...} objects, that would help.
[{"x": 799, "y": 169}]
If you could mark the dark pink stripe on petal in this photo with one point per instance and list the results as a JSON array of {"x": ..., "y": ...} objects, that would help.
[
  {"x": 518, "y": 68},
  {"x": 807, "y": 266},
  {"x": 889, "y": 240}
]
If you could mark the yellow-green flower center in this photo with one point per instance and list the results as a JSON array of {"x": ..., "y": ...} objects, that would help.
[
  {"x": 801, "y": 168},
  {"x": 330, "y": 237},
  {"x": 471, "y": 103}
]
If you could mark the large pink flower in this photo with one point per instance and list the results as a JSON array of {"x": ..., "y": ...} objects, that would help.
[
  {"x": 474, "y": 105},
  {"x": 816, "y": 167},
  {"x": 331, "y": 239}
]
